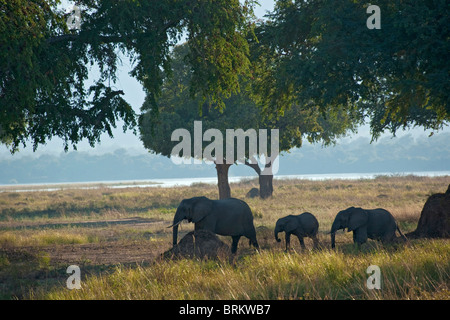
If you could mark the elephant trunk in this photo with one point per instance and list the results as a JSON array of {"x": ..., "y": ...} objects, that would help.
[
  {"x": 176, "y": 221},
  {"x": 175, "y": 236},
  {"x": 335, "y": 227},
  {"x": 333, "y": 243}
]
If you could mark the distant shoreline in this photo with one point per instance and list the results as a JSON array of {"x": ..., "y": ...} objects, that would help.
[{"x": 174, "y": 182}]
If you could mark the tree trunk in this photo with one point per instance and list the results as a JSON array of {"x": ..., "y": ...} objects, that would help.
[
  {"x": 265, "y": 186},
  {"x": 265, "y": 180},
  {"x": 222, "y": 180}
]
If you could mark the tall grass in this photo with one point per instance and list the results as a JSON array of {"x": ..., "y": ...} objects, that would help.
[
  {"x": 403, "y": 196},
  {"x": 420, "y": 271},
  {"x": 33, "y": 222},
  {"x": 43, "y": 238}
]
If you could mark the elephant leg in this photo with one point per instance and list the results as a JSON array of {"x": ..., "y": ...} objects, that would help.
[
  {"x": 254, "y": 242},
  {"x": 387, "y": 238},
  {"x": 302, "y": 243},
  {"x": 235, "y": 243},
  {"x": 288, "y": 240},
  {"x": 252, "y": 238},
  {"x": 360, "y": 236},
  {"x": 315, "y": 241}
]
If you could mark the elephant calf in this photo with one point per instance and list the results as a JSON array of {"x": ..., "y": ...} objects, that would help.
[
  {"x": 377, "y": 224},
  {"x": 227, "y": 217},
  {"x": 302, "y": 225}
]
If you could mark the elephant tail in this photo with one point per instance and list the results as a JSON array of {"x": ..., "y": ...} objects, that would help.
[{"x": 401, "y": 233}]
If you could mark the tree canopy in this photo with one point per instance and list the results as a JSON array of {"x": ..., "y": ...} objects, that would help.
[
  {"x": 396, "y": 76},
  {"x": 310, "y": 60},
  {"x": 176, "y": 110},
  {"x": 44, "y": 66}
]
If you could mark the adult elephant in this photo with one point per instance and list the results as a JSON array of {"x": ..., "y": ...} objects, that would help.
[
  {"x": 377, "y": 224},
  {"x": 227, "y": 217},
  {"x": 302, "y": 225}
]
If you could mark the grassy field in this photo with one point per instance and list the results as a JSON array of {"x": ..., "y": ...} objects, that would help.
[{"x": 117, "y": 236}]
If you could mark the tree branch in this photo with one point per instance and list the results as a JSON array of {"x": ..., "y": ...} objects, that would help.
[
  {"x": 81, "y": 37},
  {"x": 255, "y": 167}
]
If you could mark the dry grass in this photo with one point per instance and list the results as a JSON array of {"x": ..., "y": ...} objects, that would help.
[
  {"x": 418, "y": 272},
  {"x": 75, "y": 217}
]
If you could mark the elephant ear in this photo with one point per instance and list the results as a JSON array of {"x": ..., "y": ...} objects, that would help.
[
  {"x": 291, "y": 225},
  {"x": 358, "y": 218},
  {"x": 201, "y": 208}
]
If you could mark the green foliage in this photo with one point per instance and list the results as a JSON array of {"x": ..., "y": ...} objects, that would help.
[
  {"x": 323, "y": 53},
  {"x": 44, "y": 67},
  {"x": 176, "y": 110}
]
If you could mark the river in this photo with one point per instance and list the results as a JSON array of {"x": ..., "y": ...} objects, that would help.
[{"x": 167, "y": 183}]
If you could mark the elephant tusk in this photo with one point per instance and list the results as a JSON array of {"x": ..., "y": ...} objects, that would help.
[{"x": 175, "y": 224}]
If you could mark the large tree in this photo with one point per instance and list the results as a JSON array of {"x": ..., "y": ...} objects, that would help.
[
  {"x": 44, "y": 65},
  {"x": 396, "y": 77},
  {"x": 176, "y": 110}
]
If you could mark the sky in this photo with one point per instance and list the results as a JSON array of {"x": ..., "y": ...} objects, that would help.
[{"x": 135, "y": 95}]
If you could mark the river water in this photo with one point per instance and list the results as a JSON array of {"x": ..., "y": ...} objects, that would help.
[{"x": 167, "y": 183}]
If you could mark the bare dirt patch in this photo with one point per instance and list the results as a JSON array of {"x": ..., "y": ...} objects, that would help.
[
  {"x": 105, "y": 253},
  {"x": 113, "y": 251},
  {"x": 133, "y": 222}
]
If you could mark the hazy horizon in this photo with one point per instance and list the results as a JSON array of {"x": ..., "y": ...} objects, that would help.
[{"x": 352, "y": 155}]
